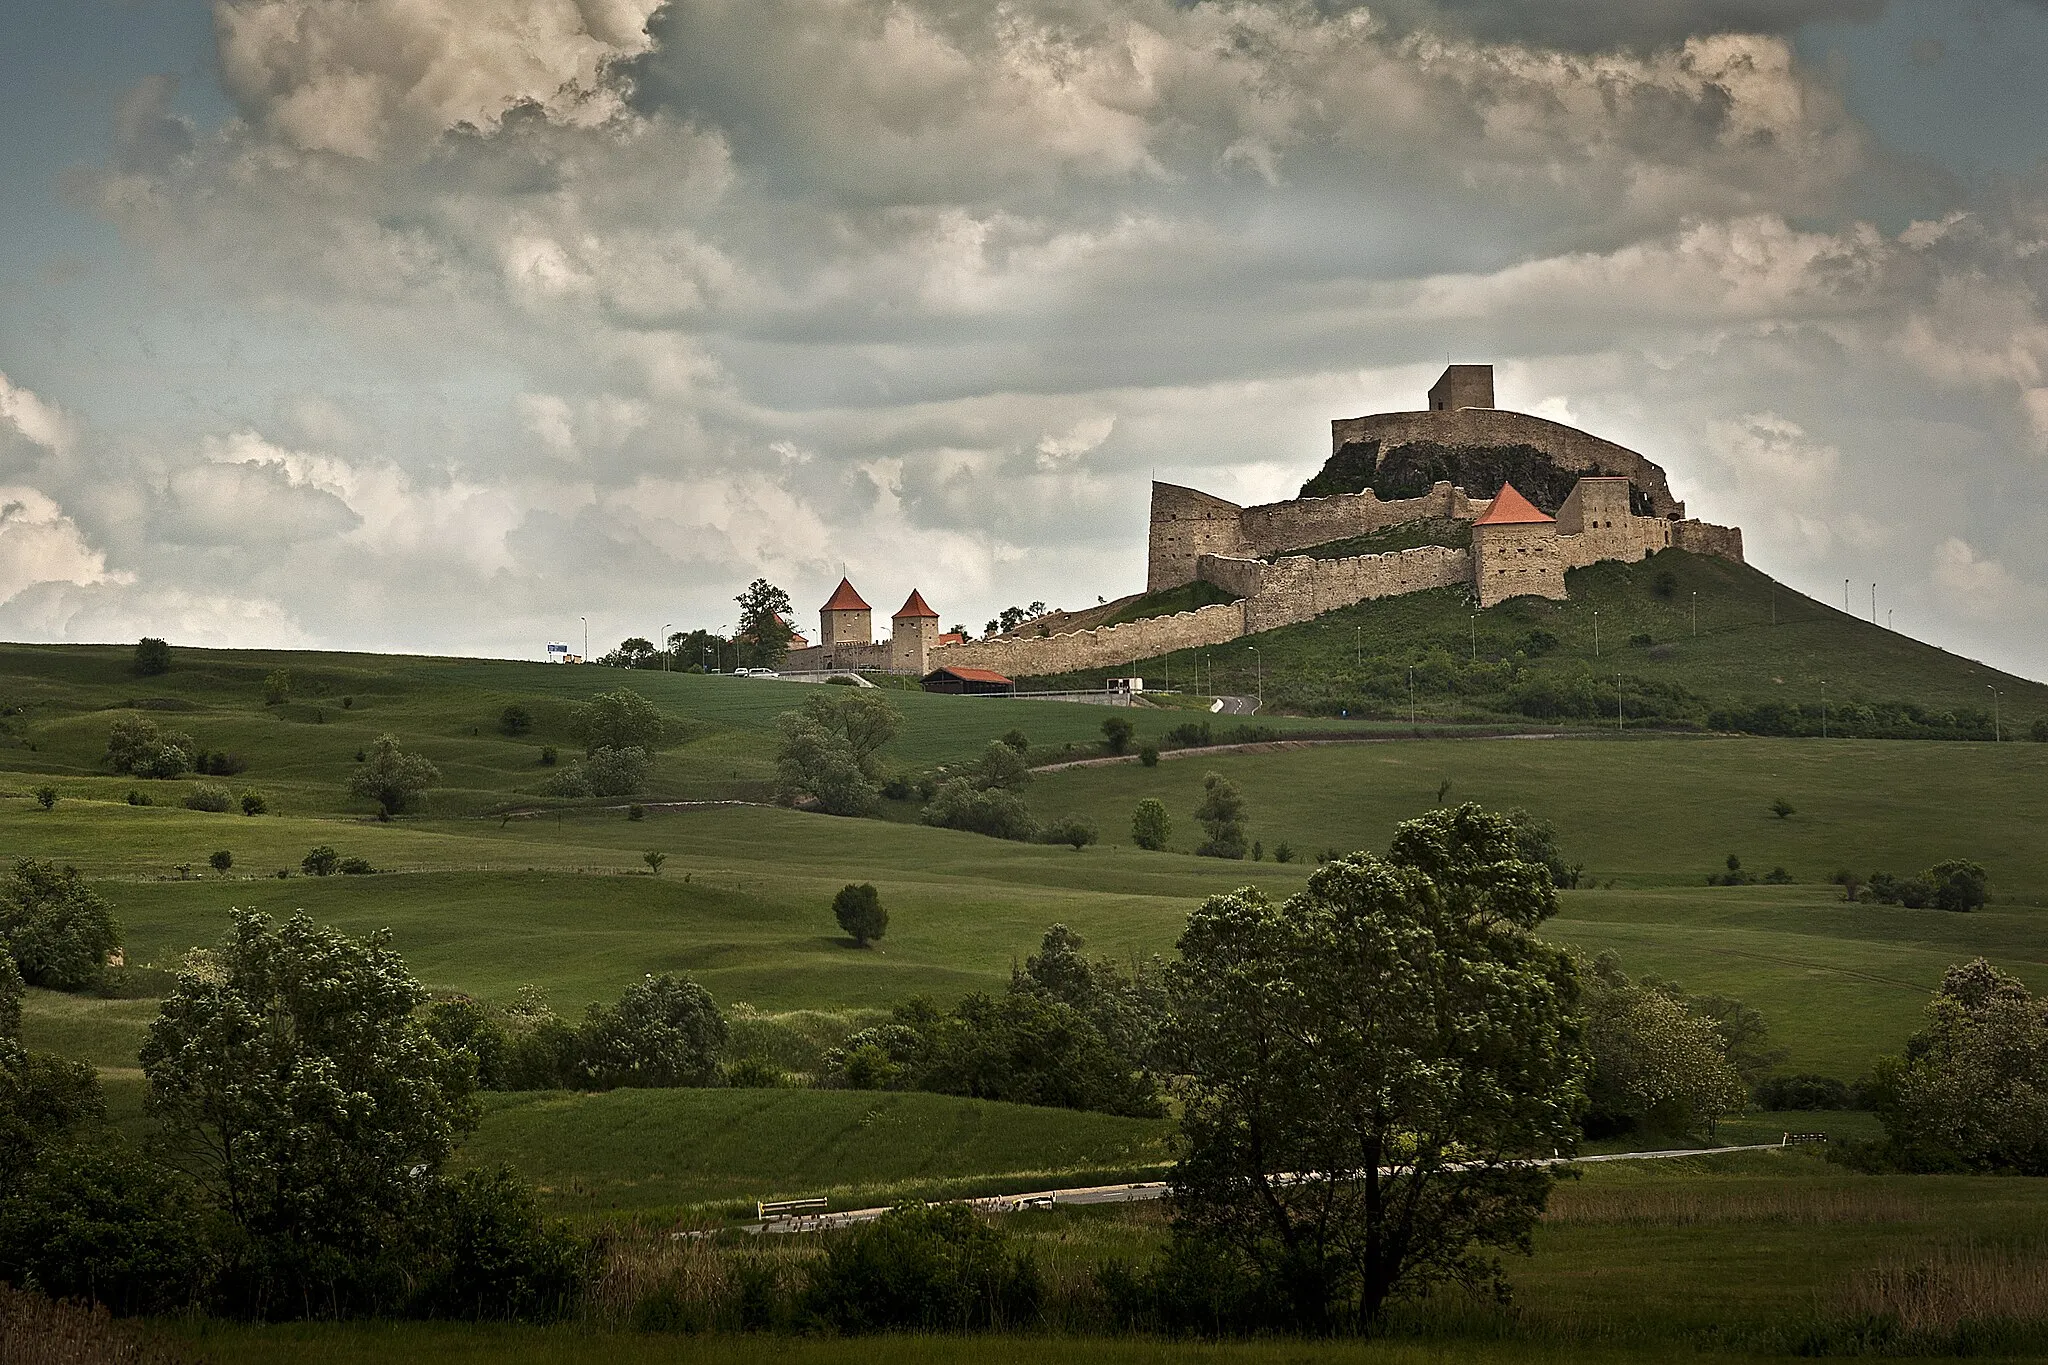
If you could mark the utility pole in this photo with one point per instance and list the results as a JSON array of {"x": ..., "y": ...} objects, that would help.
[
  {"x": 1596, "y": 632},
  {"x": 1259, "y": 673},
  {"x": 1873, "y": 604},
  {"x": 664, "y": 644},
  {"x": 1996, "y": 734},
  {"x": 1617, "y": 703},
  {"x": 1695, "y": 613},
  {"x": 1845, "y": 597},
  {"x": 1823, "y": 708},
  {"x": 1475, "y": 637},
  {"x": 586, "y": 637},
  {"x": 1411, "y": 696}
]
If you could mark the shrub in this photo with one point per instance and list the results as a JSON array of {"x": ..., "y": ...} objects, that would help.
[
  {"x": 140, "y": 798},
  {"x": 254, "y": 803},
  {"x": 152, "y": 657},
  {"x": 1803, "y": 1091},
  {"x": 664, "y": 1031},
  {"x": 755, "y": 1073},
  {"x": 481, "y": 1251},
  {"x": 2040, "y": 731},
  {"x": 931, "y": 1268},
  {"x": 1783, "y": 809},
  {"x": 57, "y": 929},
  {"x": 858, "y": 910},
  {"x": 1958, "y": 884},
  {"x": 636, "y": 811},
  {"x": 1150, "y": 824},
  {"x": 1222, "y": 815},
  {"x": 1192, "y": 734},
  {"x": 654, "y": 858},
  {"x": 208, "y": 797},
  {"x": 1017, "y": 740},
  {"x": 46, "y": 797},
  {"x": 616, "y": 720},
  {"x": 1665, "y": 584},
  {"x": 607, "y": 772},
  {"x": 1149, "y": 755},
  {"x": 547, "y": 756},
  {"x": 1116, "y": 734},
  {"x": 960, "y": 804},
  {"x": 104, "y": 1224},
  {"x": 1642, "y": 639},
  {"x": 1283, "y": 852},
  {"x": 515, "y": 720},
  {"x": 320, "y": 861},
  {"x": 392, "y": 778},
  {"x": 1074, "y": 829},
  {"x": 220, "y": 862},
  {"x": 1778, "y": 876},
  {"x": 356, "y": 867},
  {"x": 463, "y": 1023}
]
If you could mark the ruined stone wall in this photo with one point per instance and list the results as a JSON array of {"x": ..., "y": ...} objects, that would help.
[
  {"x": 873, "y": 658},
  {"x": 1567, "y": 447},
  {"x": 1296, "y": 588},
  {"x": 1703, "y": 538},
  {"x": 1105, "y": 647},
  {"x": 1595, "y": 524},
  {"x": 1187, "y": 524},
  {"x": 1517, "y": 560}
]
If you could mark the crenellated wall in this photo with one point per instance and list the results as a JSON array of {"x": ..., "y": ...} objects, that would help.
[
  {"x": 1187, "y": 524},
  {"x": 1104, "y": 647},
  {"x": 1703, "y": 538},
  {"x": 1296, "y": 588}
]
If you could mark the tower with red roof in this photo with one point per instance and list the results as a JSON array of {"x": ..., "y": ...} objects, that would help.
[
  {"x": 913, "y": 631},
  {"x": 1514, "y": 550},
  {"x": 845, "y": 619}
]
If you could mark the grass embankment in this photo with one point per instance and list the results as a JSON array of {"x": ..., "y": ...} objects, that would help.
[
  {"x": 1758, "y": 644},
  {"x": 1407, "y": 535}
]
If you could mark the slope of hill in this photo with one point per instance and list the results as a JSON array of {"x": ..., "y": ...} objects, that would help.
[{"x": 1676, "y": 640}]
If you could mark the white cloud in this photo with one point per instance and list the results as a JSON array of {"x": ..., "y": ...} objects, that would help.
[
  {"x": 40, "y": 422},
  {"x": 1981, "y": 587},
  {"x": 39, "y": 544}
]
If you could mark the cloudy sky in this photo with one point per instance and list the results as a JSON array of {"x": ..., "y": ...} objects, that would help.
[{"x": 438, "y": 324}]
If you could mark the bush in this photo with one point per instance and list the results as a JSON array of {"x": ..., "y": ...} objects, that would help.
[
  {"x": 1116, "y": 734},
  {"x": 1803, "y": 1091},
  {"x": 1017, "y": 740},
  {"x": 58, "y": 930},
  {"x": 665, "y": 1031},
  {"x": 152, "y": 657},
  {"x": 320, "y": 861},
  {"x": 607, "y": 772},
  {"x": 654, "y": 858},
  {"x": 208, "y": 797},
  {"x": 1222, "y": 815},
  {"x": 755, "y": 1073},
  {"x": 140, "y": 798},
  {"x": 254, "y": 803},
  {"x": 636, "y": 811},
  {"x": 960, "y": 804},
  {"x": 106, "y": 1225},
  {"x": 2040, "y": 731},
  {"x": 616, "y": 720},
  {"x": 1958, "y": 884},
  {"x": 356, "y": 867},
  {"x": 1074, "y": 829},
  {"x": 483, "y": 1253},
  {"x": 220, "y": 862},
  {"x": 1150, "y": 824},
  {"x": 1783, "y": 809},
  {"x": 515, "y": 720},
  {"x": 858, "y": 910},
  {"x": 1192, "y": 734},
  {"x": 46, "y": 797},
  {"x": 929, "y": 1268},
  {"x": 1149, "y": 755},
  {"x": 548, "y": 756}
]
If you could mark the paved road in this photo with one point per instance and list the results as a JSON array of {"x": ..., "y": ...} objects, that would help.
[
  {"x": 1238, "y": 706},
  {"x": 1156, "y": 1189}
]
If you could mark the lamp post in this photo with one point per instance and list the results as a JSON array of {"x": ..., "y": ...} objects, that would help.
[
  {"x": 1596, "y": 632},
  {"x": 664, "y": 644},
  {"x": 1995, "y": 732},
  {"x": 1845, "y": 597},
  {"x": 1617, "y": 703},
  {"x": 586, "y": 637},
  {"x": 1695, "y": 613},
  {"x": 1823, "y": 708},
  {"x": 1873, "y": 604},
  {"x": 1259, "y": 673},
  {"x": 1411, "y": 696},
  {"x": 1358, "y": 647},
  {"x": 1475, "y": 637}
]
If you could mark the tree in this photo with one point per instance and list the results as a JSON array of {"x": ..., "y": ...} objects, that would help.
[
  {"x": 135, "y": 745},
  {"x": 1076, "y": 830},
  {"x": 254, "y": 803},
  {"x": 46, "y": 797},
  {"x": 607, "y": 772},
  {"x": 1958, "y": 883},
  {"x": 391, "y": 777},
  {"x": 1783, "y": 809},
  {"x": 59, "y": 932},
  {"x": 828, "y": 754},
  {"x": 1116, "y": 734},
  {"x": 923, "y": 1268},
  {"x": 320, "y": 861},
  {"x": 654, "y": 859},
  {"x": 1222, "y": 815},
  {"x": 1971, "y": 1092},
  {"x": 290, "y": 1070},
  {"x": 221, "y": 861},
  {"x": 152, "y": 657},
  {"x": 965, "y": 803},
  {"x": 515, "y": 720},
  {"x": 664, "y": 1031},
  {"x": 101, "y": 1222},
  {"x": 1397, "y": 1033},
  {"x": 616, "y": 720},
  {"x": 764, "y": 621},
  {"x": 1536, "y": 842},
  {"x": 858, "y": 909},
  {"x": 1017, "y": 740},
  {"x": 1150, "y": 824},
  {"x": 1000, "y": 768},
  {"x": 1656, "y": 1063},
  {"x": 277, "y": 686},
  {"x": 634, "y": 652}
]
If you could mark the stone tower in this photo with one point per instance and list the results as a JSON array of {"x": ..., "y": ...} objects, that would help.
[
  {"x": 914, "y": 629},
  {"x": 845, "y": 619},
  {"x": 1462, "y": 386},
  {"x": 1514, "y": 551}
]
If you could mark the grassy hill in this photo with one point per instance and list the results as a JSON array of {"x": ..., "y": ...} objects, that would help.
[{"x": 1756, "y": 663}]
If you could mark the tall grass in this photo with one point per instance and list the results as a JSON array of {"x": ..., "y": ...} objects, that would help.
[
  {"x": 1644, "y": 1206},
  {"x": 1956, "y": 1287},
  {"x": 35, "y": 1330}
]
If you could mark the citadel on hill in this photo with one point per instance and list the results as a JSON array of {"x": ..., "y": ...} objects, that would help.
[{"x": 1514, "y": 500}]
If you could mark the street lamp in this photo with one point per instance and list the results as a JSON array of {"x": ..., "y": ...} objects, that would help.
[
  {"x": 1475, "y": 637},
  {"x": 586, "y": 637},
  {"x": 1259, "y": 673},
  {"x": 664, "y": 644},
  {"x": 1358, "y": 647},
  {"x": 1617, "y": 703},
  {"x": 1596, "y": 632},
  {"x": 1823, "y": 708},
  {"x": 1695, "y": 613},
  {"x": 1994, "y": 712},
  {"x": 1411, "y": 696},
  {"x": 1845, "y": 597}
]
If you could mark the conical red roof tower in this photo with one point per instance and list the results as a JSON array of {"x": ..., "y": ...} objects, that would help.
[
  {"x": 844, "y": 598},
  {"x": 1510, "y": 508},
  {"x": 914, "y": 606}
]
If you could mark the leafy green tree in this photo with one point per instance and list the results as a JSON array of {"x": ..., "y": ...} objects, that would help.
[
  {"x": 1536, "y": 842},
  {"x": 515, "y": 720},
  {"x": 136, "y": 745},
  {"x": 391, "y": 777},
  {"x": 1017, "y": 740},
  {"x": 664, "y": 1031},
  {"x": 814, "y": 766},
  {"x": 1398, "y": 1030},
  {"x": 1127, "y": 1007},
  {"x": 320, "y": 861},
  {"x": 1150, "y": 824},
  {"x": 858, "y": 910},
  {"x": 46, "y": 797},
  {"x": 277, "y": 687},
  {"x": 221, "y": 861},
  {"x": 633, "y": 652},
  {"x": 1116, "y": 734},
  {"x": 41, "y": 1098},
  {"x": 1783, "y": 809},
  {"x": 616, "y": 720},
  {"x": 654, "y": 859},
  {"x": 290, "y": 1070},
  {"x": 59, "y": 931},
  {"x": 1000, "y": 768},
  {"x": 12, "y": 988},
  {"x": 1656, "y": 1063},
  {"x": 962, "y": 803},
  {"x": 923, "y": 1268},
  {"x": 103, "y": 1223},
  {"x": 1959, "y": 884},
  {"x": 254, "y": 803},
  {"x": 607, "y": 772},
  {"x": 463, "y": 1024},
  {"x": 863, "y": 717},
  {"x": 152, "y": 657},
  {"x": 1221, "y": 815},
  {"x": 1971, "y": 1092},
  {"x": 764, "y": 621}
]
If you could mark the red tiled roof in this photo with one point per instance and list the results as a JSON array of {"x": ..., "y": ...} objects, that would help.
[
  {"x": 914, "y": 606},
  {"x": 970, "y": 675},
  {"x": 1510, "y": 508},
  {"x": 951, "y": 637},
  {"x": 844, "y": 598}
]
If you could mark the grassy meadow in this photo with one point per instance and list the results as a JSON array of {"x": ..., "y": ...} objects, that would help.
[{"x": 494, "y": 886}]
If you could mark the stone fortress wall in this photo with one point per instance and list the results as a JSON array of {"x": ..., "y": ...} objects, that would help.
[{"x": 1243, "y": 550}]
